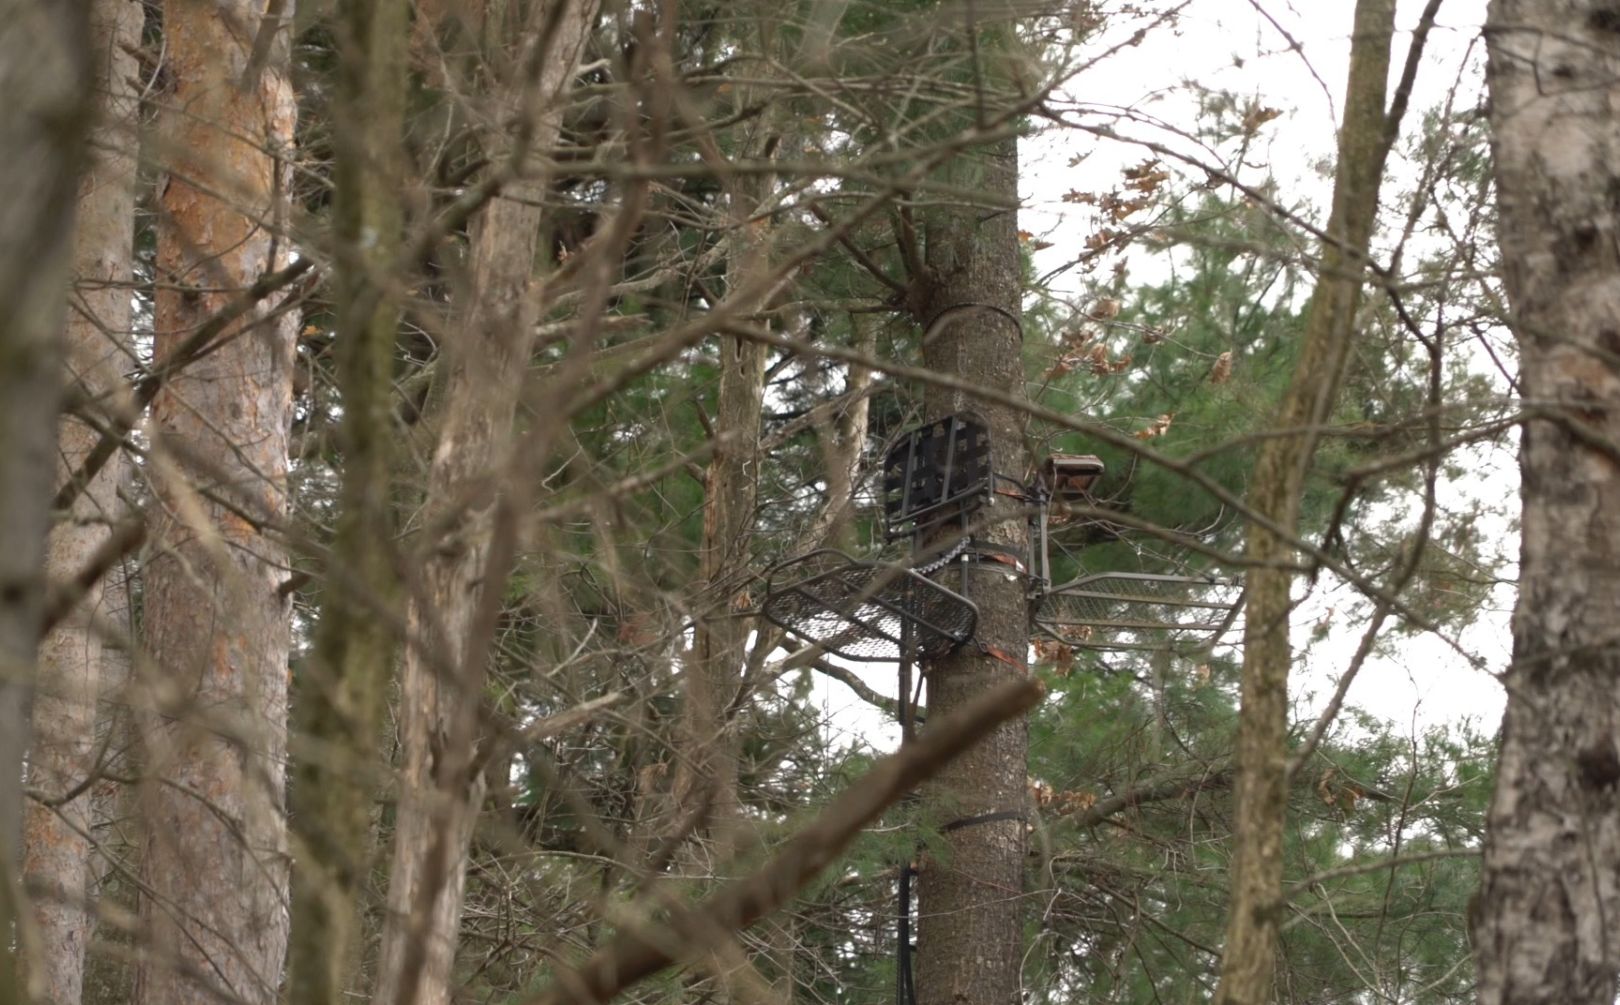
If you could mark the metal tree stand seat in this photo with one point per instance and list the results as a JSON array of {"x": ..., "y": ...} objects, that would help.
[
  {"x": 1113, "y": 610},
  {"x": 866, "y": 611}
]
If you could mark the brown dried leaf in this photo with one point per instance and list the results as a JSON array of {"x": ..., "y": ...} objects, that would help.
[
  {"x": 1057, "y": 655},
  {"x": 1104, "y": 309},
  {"x": 1076, "y": 801},
  {"x": 1324, "y": 786},
  {"x": 1158, "y": 427},
  {"x": 1257, "y": 115}
]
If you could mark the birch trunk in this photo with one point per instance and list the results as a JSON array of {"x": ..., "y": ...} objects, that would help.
[
  {"x": 215, "y": 615},
  {"x": 45, "y": 77},
  {"x": 442, "y": 687},
  {"x": 1541, "y": 926},
  {"x": 1248, "y": 961},
  {"x": 57, "y": 863}
]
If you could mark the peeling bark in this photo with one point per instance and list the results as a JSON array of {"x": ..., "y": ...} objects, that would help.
[
  {"x": 1542, "y": 929},
  {"x": 57, "y": 861},
  {"x": 215, "y": 617}
]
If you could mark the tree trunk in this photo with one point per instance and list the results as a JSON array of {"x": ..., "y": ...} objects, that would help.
[
  {"x": 843, "y": 442},
  {"x": 707, "y": 769},
  {"x": 342, "y": 698},
  {"x": 56, "y": 846},
  {"x": 442, "y": 686},
  {"x": 1541, "y": 925},
  {"x": 46, "y": 78},
  {"x": 970, "y": 899},
  {"x": 1249, "y": 957},
  {"x": 215, "y": 614}
]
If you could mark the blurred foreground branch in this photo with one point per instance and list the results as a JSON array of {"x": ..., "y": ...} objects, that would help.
[{"x": 637, "y": 954}]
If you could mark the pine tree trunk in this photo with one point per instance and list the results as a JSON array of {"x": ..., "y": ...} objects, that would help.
[
  {"x": 57, "y": 860},
  {"x": 442, "y": 687},
  {"x": 342, "y": 697},
  {"x": 970, "y": 899},
  {"x": 1248, "y": 960},
  {"x": 707, "y": 768},
  {"x": 215, "y": 614},
  {"x": 1542, "y": 929},
  {"x": 45, "y": 76}
]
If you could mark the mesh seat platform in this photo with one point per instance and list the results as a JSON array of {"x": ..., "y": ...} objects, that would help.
[
  {"x": 866, "y": 611},
  {"x": 1115, "y": 610}
]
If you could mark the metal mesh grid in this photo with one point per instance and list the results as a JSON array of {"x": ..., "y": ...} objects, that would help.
[
  {"x": 935, "y": 472},
  {"x": 1119, "y": 609},
  {"x": 865, "y": 611}
]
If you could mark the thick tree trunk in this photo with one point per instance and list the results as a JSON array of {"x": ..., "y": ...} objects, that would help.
[
  {"x": 1541, "y": 926},
  {"x": 442, "y": 685},
  {"x": 45, "y": 75},
  {"x": 970, "y": 899},
  {"x": 215, "y": 614},
  {"x": 1249, "y": 958},
  {"x": 56, "y": 847},
  {"x": 342, "y": 698}
]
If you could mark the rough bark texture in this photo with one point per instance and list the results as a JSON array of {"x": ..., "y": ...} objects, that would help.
[
  {"x": 216, "y": 619},
  {"x": 342, "y": 697},
  {"x": 1543, "y": 928},
  {"x": 442, "y": 686},
  {"x": 45, "y": 77},
  {"x": 1248, "y": 960},
  {"x": 57, "y": 864},
  {"x": 970, "y": 899}
]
